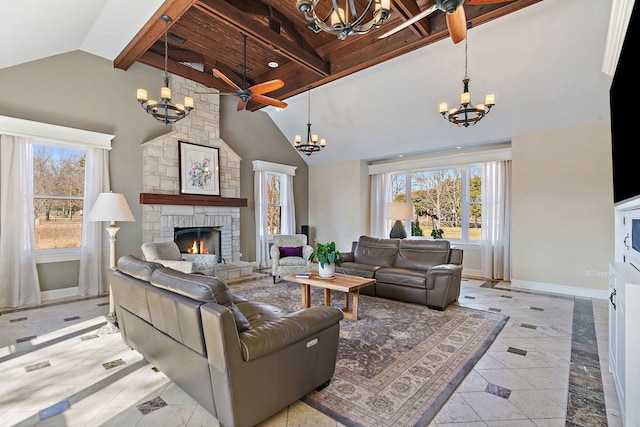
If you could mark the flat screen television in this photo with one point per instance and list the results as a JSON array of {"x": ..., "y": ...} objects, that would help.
[{"x": 624, "y": 139}]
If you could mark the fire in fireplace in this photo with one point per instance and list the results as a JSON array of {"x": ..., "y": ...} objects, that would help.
[{"x": 199, "y": 240}]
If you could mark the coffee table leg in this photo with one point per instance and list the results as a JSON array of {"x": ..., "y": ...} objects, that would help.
[
  {"x": 306, "y": 295},
  {"x": 327, "y": 297},
  {"x": 353, "y": 314},
  {"x": 356, "y": 300}
]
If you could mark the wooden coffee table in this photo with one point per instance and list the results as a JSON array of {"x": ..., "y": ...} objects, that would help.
[{"x": 340, "y": 282}]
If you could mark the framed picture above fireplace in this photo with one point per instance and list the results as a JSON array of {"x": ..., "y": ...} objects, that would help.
[{"x": 199, "y": 169}]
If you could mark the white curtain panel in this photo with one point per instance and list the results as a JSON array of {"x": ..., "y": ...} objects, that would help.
[
  {"x": 496, "y": 221},
  {"x": 94, "y": 253},
  {"x": 380, "y": 196},
  {"x": 19, "y": 284},
  {"x": 288, "y": 214},
  {"x": 262, "y": 235}
]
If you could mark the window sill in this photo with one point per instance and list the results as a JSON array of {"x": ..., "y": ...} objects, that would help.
[{"x": 44, "y": 256}]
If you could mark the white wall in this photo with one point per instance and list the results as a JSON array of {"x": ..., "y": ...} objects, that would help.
[{"x": 338, "y": 203}]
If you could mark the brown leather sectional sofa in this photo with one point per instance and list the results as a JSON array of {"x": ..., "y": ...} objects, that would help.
[
  {"x": 243, "y": 361},
  {"x": 421, "y": 271}
]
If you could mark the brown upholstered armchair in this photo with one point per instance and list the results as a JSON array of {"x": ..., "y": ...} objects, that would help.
[{"x": 290, "y": 254}]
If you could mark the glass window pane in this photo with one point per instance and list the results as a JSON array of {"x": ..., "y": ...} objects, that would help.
[
  {"x": 436, "y": 196},
  {"x": 475, "y": 184},
  {"x": 58, "y": 185},
  {"x": 273, "y": 220},
  {"x": 475, "y": 221},
  {"x": 58, "y": 223}
]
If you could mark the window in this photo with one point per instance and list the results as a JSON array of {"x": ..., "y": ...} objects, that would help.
[
  {"x": 58, "y": 193},
  {"x": 442, "y": 199},
  {"x": 274, "y": 203}
]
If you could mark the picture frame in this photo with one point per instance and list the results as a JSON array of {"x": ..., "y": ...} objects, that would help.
[{"x": 199, "y": 169}]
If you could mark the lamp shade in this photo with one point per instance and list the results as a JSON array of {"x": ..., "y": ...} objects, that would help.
[
  {"x": 111, "y": 207},
  {"x": 399, "y": 210}
]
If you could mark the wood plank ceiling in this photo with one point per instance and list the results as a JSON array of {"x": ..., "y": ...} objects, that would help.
[{"x": 207, "y": 34}]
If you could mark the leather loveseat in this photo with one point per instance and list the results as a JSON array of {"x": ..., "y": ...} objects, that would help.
[
  {"x": 421, "y": 271},
  {"x": 242, "y": 361}
]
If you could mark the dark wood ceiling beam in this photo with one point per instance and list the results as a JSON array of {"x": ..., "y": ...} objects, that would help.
[
  {"x": 152, "y": 31},
  {"x": 206, "y": 79},
  {"x": 223, "y": 11},
  {"x": 408, "y": 9}
]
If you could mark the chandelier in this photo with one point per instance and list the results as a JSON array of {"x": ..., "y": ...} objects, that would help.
[
  {"x": 164, "y": 111},
  {"x": 466, "y": 114},
  {"x": 344, "y": 21},
  {"x": 311, "y": 146}
]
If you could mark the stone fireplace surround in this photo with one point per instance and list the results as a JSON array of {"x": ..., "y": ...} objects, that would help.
[{"x": 160, "y": 171}]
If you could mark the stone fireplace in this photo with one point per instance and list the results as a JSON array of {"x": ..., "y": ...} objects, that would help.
[{"x": 160, "y": 163}]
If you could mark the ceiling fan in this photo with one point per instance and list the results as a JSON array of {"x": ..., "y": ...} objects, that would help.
[
  {"x": 456, "y": 18},
  {"x": 255, "y": 92}
]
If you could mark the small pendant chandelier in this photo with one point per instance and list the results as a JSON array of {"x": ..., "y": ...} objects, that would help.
[
  {"x": 344, "y": 21},
  {"x": 312, "y": 145},
  {"x": 165, "y": 111},
  {"x": 466, "y": 114}
]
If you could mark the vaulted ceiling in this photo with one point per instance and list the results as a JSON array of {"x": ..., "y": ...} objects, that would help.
[{"x": 208, "y": 34}]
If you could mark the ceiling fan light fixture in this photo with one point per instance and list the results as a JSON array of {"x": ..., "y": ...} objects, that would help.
[
  {"x": 165, "y": 111},
  {"x": 345, "y": 21},
  {"x": 467, "y": 114},
  {"x": 449, "y": 6}
]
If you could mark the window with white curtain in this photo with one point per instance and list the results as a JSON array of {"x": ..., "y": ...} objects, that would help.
[
  {"x": 445, "y": 190},
  {"x": 274, "y": 205}
]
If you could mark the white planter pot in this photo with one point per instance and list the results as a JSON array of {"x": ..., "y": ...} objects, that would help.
[{"x": 328, "y": 270}]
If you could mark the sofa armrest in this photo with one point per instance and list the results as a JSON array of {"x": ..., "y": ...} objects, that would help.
[
  {"x": 307, "y": 250},
  {"x": 274, "y": 251},
  {"x": 348, "y": 257},
  {"x": 443, "y": 285},
  {"x": 294, "y": 327}
]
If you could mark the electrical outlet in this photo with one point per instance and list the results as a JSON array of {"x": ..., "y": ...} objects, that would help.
[
  {"x": 602, "y": 274},
  {"x": 591, "y": 273}
]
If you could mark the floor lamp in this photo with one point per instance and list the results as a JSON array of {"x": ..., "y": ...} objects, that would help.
[{"x": 111, "y": 207}]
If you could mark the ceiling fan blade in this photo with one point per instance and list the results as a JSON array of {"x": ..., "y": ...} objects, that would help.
[
  {"x": 265, "y": 87},
  {"x": 242, "y": 105},
  {"x": 269, "y": 101},
  {"x": 405, "y": 24},
  {"x": 226, "y": 79},
  {"x": 457, "y": 24}
]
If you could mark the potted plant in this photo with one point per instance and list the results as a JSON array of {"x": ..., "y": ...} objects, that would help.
[{"x": 328, "y": 257}]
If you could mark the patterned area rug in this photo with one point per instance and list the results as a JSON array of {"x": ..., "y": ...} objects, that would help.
[{"x": 399, "y": 363}]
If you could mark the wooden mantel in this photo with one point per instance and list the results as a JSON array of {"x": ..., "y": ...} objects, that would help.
[{"x": 191, "y": 200}]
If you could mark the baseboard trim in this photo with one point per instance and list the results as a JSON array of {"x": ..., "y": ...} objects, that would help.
[
  {"x": 60, "y": 293},
  {"x": 560, "y": 289}
]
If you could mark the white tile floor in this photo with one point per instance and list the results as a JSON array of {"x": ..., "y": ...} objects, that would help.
[{"x": 523, "y": 379}]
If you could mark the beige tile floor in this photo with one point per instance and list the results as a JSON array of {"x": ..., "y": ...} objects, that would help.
[{"x": 522, "y": 380}]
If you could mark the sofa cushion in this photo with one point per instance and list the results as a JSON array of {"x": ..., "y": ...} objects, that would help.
[
  {"x": 137, "y": 268},
  {"x": 199, "y": 287},
  {"x": 357, "y": 269},
  {"x": 402, "y": 277},
  {"x": 422, "y": 254},
  {"x": 286, "y": 251},
  {"x": 375, "y": 251}
]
